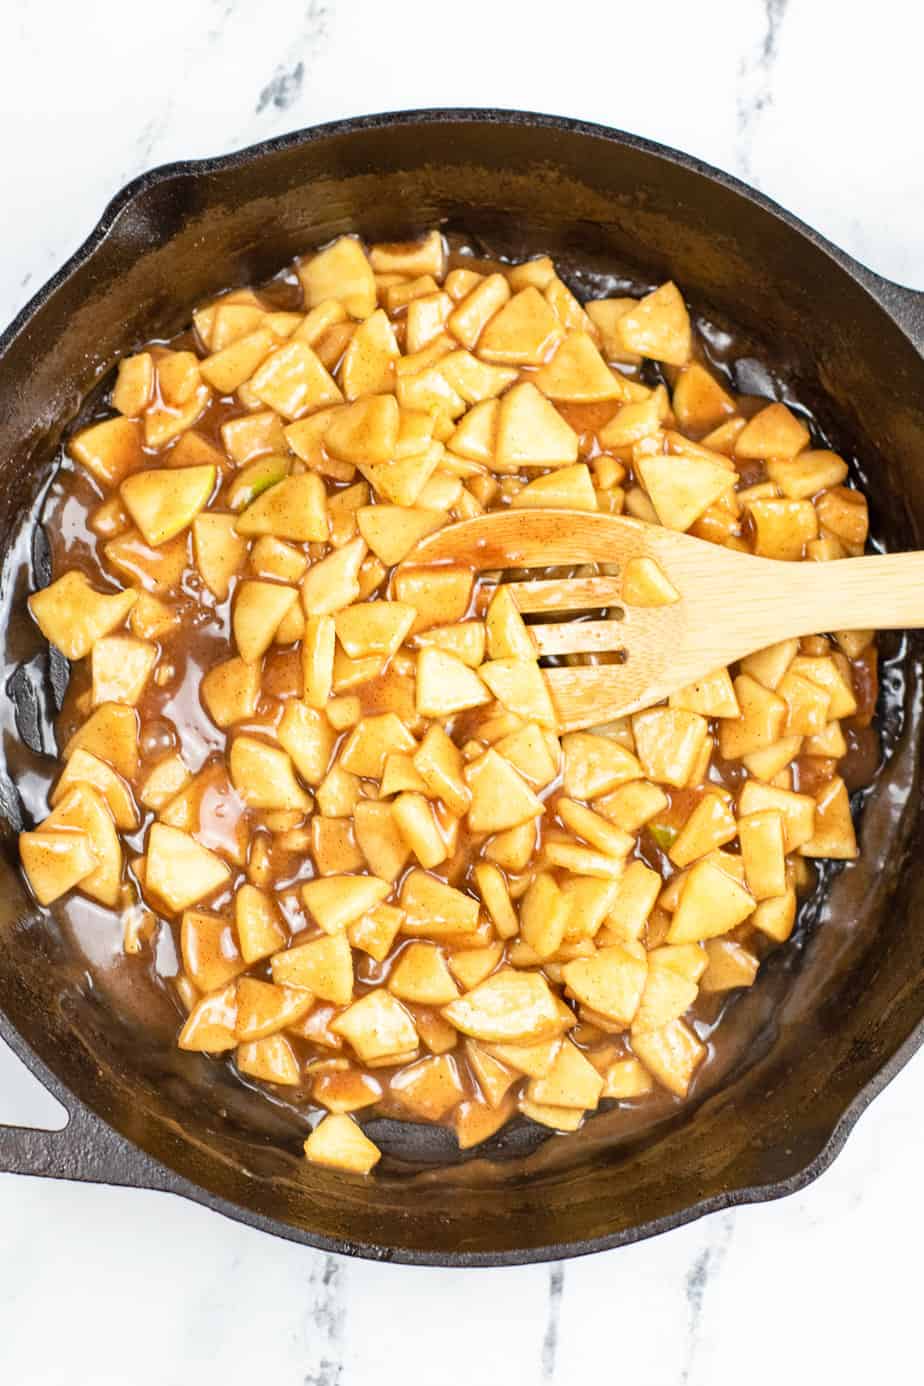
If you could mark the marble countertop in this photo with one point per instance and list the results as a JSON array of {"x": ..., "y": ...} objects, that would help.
[{"x": 819, "y": 107}]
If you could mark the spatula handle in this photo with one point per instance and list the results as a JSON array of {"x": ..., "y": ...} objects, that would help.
[{"x": 885, "y": 592}]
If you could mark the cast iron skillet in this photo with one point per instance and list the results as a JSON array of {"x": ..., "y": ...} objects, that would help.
[{"x": 839, "y": 1012}]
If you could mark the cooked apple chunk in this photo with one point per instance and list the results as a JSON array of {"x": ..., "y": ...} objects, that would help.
[
  {"x": 55, "y": 860},
  {"x": 211, "y": 957},
  {"x": 341, "y": 272},
  {"x": 373, "y": 628},
  {"x": 501, "y": 798},
  {"x": 773, "y": 432},
  {"x": 272, "y": 1060},
  {"x": 259, "y": 609},
  {"x": 323, "y": 967},
  {"x": 259, "y": 929},
  {"x": 264, "y": 776},
  {"x": 683, "y": 488},
  {"x": 658, "y": 326},
  {"x": 179, "y": 870},
  {"x": 668, "y": 742},
  {"x": 671, "y": 1054},
  {"x": 520, "y": 685},
  {"x": 338, "y": 1143},
  {"x": 337, "y": 901},
  {"x": 230, "y": 691},
  {"x": 522, "y": 332},
  {"x": 511, "y": 1006},
  {"x": 111, "y": 734},
  {"x": 644, "y": 583},
  {"x": 294, "y": 508},
  {"x": 121, "y": 666},
  {"x": 833, "y": 835},
  {"x": 432, "y": 906},
  {"x": 219, "y": 551},
  {"x": 711, "y": 903},
  {"x": 85, "y": 768},
  {"x": 594, "y": 765},
  {"x": 163, "y": 501},
  {"x": 531, "y": 432},
  {"x": 72, "y": 615},
  {"x": 109, "y": 450},
  {"x": 210, "y": 1026},
  {"x": 391, "y": 531},
  {"x": 377, "y": 1027}
]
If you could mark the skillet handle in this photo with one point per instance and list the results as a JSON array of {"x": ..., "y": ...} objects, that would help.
[
  {"x": 86, "y": 1149},
  {"x": 905, "y": 305}
]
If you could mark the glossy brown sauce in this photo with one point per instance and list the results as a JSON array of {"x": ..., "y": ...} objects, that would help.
[{"x": 173, "y": 718}]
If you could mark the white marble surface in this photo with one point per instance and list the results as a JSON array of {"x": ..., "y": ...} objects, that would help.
[{"x": 817, "y": 104}]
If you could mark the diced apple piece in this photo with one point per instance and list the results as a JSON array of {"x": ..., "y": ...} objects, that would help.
[
  {"x": 658, "y": 327},
  {"x": 421, "y": 975},
  {"x": 251, "y": 481},
  {"x": 669, "y": 742},
  {"x": 264, "y": 1008},
  {"x": 111, "y": 733},
  {"x": 391, "y": 531},
  {"x": 531, "y": 432},
  {"x": 475, "y": 434},
  {"x": 157, "y": 570},
  {"x": 710, "y": 825},
  {"x": 259, "y": 609},
  {"x": 637, "y": 421},
  {"x": 501, "y": 798},
  {"x": 56, "y": 860},
  {"x": 762, "y": 849},
  {"x": 595, "y": 829},
  {"x": 520, "y": 685},
  {"x": 711, "y": 903},
  {"x": 464, "y": 640},
  {"x": 180, "y": 871},
  {"x": 807, "y": 703},
  {"x": 672, "y": 1055},
  {"x": 373, "y": 628},
  {"x": 632, "y": 805},
  {"x": 769, "y": 665},
  {"x": 109, "y": 450},
  {"x": 668, "y": 994},
  {"x": 251, "y": 435},
  {"x": 264, "y": 776},
  {"x": 324, "y": 967},
  {"x": 294, "y": 508},
  {"x": 639, "y": 888},
  {"x": 342, "y": 272},
  {"x": 259, "y": 929},
  {"x": 522, "y": 332},
  {"x": 494, "y": 1078},
  {"x": 682, "y": 488},
  {"x": 211, "y": 957},
  {"x": 577, "y": 373},
  {"x": 85, "y": 768},
  {"x": 331, "y": 584},
  {"x": 438, "y": 595},
  {"x": 831, "y": 676},
  {"x": 477, "y": 308},
  {"x": 376, "y": 931},
  {"x": 533, "y": 751},
  {"x": 507, "y": 634},
  {"x": 645, "y": 583},
  {"x": 783, "y": 527},
  {"x": 445, "y": 685},
  {"x": 431, "y": 905},
  {"x": 557, "y": 1118},
  {"x": 699, "y": 402},
  {"x": 210, "y": 1025},
  {"x": 230, "y": 691},
  {"x": 372, "y": 741},
  {"x": 610, "y": 983},
  {"x": 772, "y": 432},
  {"x": 625, "y": 1079},
  {"x": 272, "y": 1060},
  {"x": 121, "y": 666},
  {"x": 596, "y": 764},
  {"x": 844, "y": 514},
  {"x": 439, "y": 763},
  {"x": 572, "y": 1081},
  {"x": 336, "y": 901},
  {"x": 797, "y": 810},
  {"x": 812, "y": 471},
  {"x": 293, "y": 381},
  {"x": 219, "y": 551},
  {"x": 366, "y": 431},
  {"x": 318, "y": 659},
  {"x": 368, "y": 366},
  {"x": 761, "y": 724},
  {"x": 419, "y": 828},
  {"x": 833, "y": 835},
  {"x": 730, "y": 966},
  {"x": 712, "y": 696},
  {"x": 544, "y": 912},
  {"x": 377, "y": 1027},
  {"x": 306, "y": 735},
  {"x": 346, "y": 1089},
  {"x": 338, "y": 1143},
  {"x": 163, "y": 501},
  {"x": 72, "y": 616},
  {"x": 509, "y": 1006}
]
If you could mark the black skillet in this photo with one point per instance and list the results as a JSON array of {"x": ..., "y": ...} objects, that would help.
[{"x": 835, "y": 1014}]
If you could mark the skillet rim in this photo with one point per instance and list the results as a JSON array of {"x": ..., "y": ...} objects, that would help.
[{"x": 107, "y": 1147}]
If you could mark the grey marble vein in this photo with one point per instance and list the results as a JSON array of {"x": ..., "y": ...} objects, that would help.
[
  {"x": 285, "y": 85},
  {"x": 552, "y": 1320},
  {"x": 755, "y": 85},
  {"x": 701, "y": 1274},
  {"x": 325, "y": 1326}
]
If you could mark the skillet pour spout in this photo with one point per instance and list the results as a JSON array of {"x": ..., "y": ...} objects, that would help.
[{"x": 834, "y": 1014}]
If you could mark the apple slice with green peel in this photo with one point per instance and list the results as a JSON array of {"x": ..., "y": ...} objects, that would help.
[
  {"x": 163, "y": 501},
  {"x": 55, "y": 861},
  {"x": 180, "y": 871},
  {"x": 294, "y": 508},
  {"x": 72, "y": 615},
  {"x": 251, "y": 481}
]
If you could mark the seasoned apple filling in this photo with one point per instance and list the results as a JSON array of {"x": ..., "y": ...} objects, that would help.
[{"x": 336, "y": 780}]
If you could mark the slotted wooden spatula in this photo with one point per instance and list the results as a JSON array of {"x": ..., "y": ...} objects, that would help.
[{"x": 728, "y": 604}]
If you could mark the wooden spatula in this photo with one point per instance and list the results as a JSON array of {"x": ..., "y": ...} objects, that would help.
[{"x": 728, "y": 604}]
